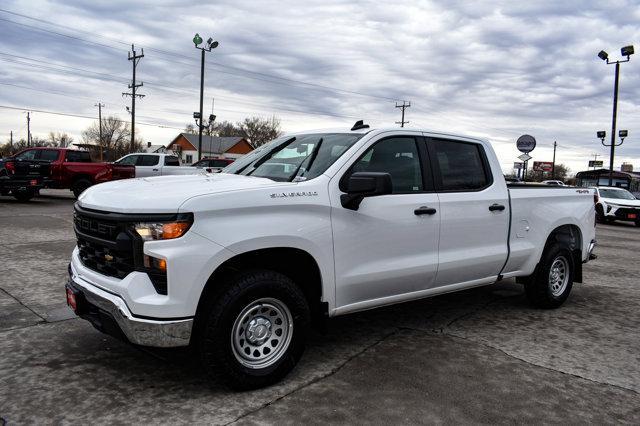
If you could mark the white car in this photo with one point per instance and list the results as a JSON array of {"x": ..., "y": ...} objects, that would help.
[
  {"x": 616, "y": 204},
  {"x": 554, "y": 182},
  {"x": 157, "y": 164},
  {"x": 314, "y": 225}
]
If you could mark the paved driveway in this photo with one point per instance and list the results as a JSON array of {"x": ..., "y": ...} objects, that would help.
[{"x": 482, "y": 355}]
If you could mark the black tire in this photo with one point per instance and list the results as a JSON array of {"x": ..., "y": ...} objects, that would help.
[
  {"x": 600, "y": 217},
  {"x": 24, "y": 196},
  {"x": 540, "y": 288},
  {"x": 79, "y": 186},
  {"x": 218, "y": 353}
]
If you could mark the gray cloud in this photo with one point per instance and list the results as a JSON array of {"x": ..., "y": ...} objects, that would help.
[{"x": 495, "y": 69}]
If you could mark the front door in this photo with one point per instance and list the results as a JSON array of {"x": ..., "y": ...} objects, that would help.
[{"x": 389, "y": 246}]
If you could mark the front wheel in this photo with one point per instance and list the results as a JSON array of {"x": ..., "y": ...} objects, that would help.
[
  {"x": 79, "y": 186},
  {"x": 255, "y": 331},
  {"x": 551, "y": 284}
]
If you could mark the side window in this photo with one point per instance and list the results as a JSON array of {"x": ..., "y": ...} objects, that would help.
[
  {"x": 189, "y": 159},
  {"x": 78, "y": 157},
  {"x": 48, "y": 155},
  {"x": 26, "y": 155},
  {"x": 397, "y": 156},
  {"x": 171, "y": 161},
  {"x": 461, "y": 165},
  {"x": 129, "y": 160},
  {"x": 148, "y": 160}
]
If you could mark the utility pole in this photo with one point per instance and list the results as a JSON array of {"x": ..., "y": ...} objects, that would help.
[
  {"x": 553, "y": 165},
  {"x": 28, "y": 129},
  {"x": 134, "y": 58},
  {"x": 404, "y": 106},
  {"x": 100, "y": 105},
  {"x": 11, "y": 141}
]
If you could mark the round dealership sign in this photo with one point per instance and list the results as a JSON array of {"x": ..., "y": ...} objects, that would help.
[{"x": 526, "y": 143}]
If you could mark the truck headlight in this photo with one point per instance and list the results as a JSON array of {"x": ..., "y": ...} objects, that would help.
[{"x": 150, "y": 231}]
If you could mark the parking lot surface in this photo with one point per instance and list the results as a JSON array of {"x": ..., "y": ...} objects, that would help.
[{"x": 479, "y": 356}]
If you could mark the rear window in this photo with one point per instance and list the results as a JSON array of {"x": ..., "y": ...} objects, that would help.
[
  {"x": 219, "y": 163},
  {"x": 147, "y": 160},
  {"x": 48, "y": 155},
  {"x": 78, "y": 156},
  {"x": 171, "y": 161},
  {"x": 461, "y": 166}
]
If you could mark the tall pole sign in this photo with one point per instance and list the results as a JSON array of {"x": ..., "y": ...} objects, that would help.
[{"x": 525, "y": 144}]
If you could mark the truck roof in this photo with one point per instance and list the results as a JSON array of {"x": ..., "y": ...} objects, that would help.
[{"x": 388, "y": 129}]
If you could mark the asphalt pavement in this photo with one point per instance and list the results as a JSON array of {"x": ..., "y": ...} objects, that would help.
[{"x": 479, "y": 356}]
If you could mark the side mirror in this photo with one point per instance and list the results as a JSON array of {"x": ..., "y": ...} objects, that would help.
[{"x": 365, "y": 184}]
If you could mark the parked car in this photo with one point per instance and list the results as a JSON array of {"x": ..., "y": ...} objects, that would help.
[
  {"x": 65, "y": 168},
  {"x": 21, "y": 180},
  {"x": 156, "y": 164},
  {"x": 554, "y": 182},
  {"x": 616, "y": 204},
  {"x": 239, "y": 264},
  {"x": 213, "y": 164}
]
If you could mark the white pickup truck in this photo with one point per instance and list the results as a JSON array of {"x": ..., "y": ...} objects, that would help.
[
  {"x": 239, "y": 264},
  {"x": 157, "y": 164}
]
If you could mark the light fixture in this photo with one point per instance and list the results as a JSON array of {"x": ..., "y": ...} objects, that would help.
[
  {"x": 603, "y": 55},
  {"x": 601, "y": 134},
  {"x": 627, "y": 51},
  {"x": 197, "y": 40},
  {"x": 623, "y": 133}
]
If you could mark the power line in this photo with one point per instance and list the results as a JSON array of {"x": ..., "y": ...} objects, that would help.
[
  {"x": 66, "y": 114},
  {"x": 283, "y": 80}
]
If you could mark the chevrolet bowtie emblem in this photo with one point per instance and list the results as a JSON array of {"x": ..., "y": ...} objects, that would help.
[{"x": 108, "y": 257}]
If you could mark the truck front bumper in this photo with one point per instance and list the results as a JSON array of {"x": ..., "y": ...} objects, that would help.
[{"x": 109, "y": 314}]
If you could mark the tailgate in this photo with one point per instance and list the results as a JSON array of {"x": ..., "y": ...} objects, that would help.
[
  {"x": 32, "y": 169},
  {"x": 123, "y": 171}
]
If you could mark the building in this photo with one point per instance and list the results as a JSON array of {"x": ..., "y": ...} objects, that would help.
[
  {"x": 185, "y": 145},
  {"x": 155, "y": 148},
  {"x": 600, "y": 177}
]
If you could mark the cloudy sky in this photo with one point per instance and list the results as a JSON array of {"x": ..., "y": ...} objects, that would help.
[{"x": 490, "y": 69}]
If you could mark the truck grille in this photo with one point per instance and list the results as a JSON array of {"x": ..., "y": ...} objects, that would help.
[{"x": 106, "y": 246}]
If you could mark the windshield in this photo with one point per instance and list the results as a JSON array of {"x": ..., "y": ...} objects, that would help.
[
  {"x": 294, "y": 158},
  {"x": 619, "y": 194}
]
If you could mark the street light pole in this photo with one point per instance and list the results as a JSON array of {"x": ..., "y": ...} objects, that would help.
[
  {"x": 553, "y": 165},
  {"x": 197, "y": 40},
  {"x": 625, "y": 51},
  {"x": 201, "y": 96}
]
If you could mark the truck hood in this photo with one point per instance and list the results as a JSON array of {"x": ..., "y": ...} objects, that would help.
[
  {"x": 621, "y": 202},
  {"x": 164, "y": 194}
]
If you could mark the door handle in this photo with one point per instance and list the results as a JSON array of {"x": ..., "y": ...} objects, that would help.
[
  {"x": 494, "y": 207},
  {"x": 424, "y": 210},
  {"x": 155, "y": 170}
]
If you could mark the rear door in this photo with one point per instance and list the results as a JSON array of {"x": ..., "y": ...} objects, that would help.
[
  {"x": 389, "y": 246},
  {"x": 474, "y": 210},
  {"x": 148, "y": 165}
]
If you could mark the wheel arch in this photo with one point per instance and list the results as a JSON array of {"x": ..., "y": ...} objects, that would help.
[
  {"x": 297, "y": 264},
  {"x": 569, "y": 235}
]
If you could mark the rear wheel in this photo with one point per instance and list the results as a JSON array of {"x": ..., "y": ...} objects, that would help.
[
  {"x": 255, "y": 330},
  {"x": 79, "y": 186},
  {"x": 23, "y": 196},
  {"x": 551, "y": 284}
]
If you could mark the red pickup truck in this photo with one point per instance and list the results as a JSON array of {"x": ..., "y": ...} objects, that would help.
[{"x": 65, "y": 168}]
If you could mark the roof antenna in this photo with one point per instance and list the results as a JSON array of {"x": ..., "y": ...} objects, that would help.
[{"x": 360, "y": 125}]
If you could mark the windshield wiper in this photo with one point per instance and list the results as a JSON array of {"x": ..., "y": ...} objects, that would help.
[
  {"x": 311, "y": 158},
  {"x": 267, "y": 156}
]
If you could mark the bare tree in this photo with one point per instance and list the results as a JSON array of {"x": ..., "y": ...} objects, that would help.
[
  {"x": 60, "y": 139},
  {"x": 116, "y": 137},
  {"x": 259, "y": 130},
  {"x": 189, "y": 128},
  {"x": 226, "y": 128},
  {"x": 561, "y": 173}
]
